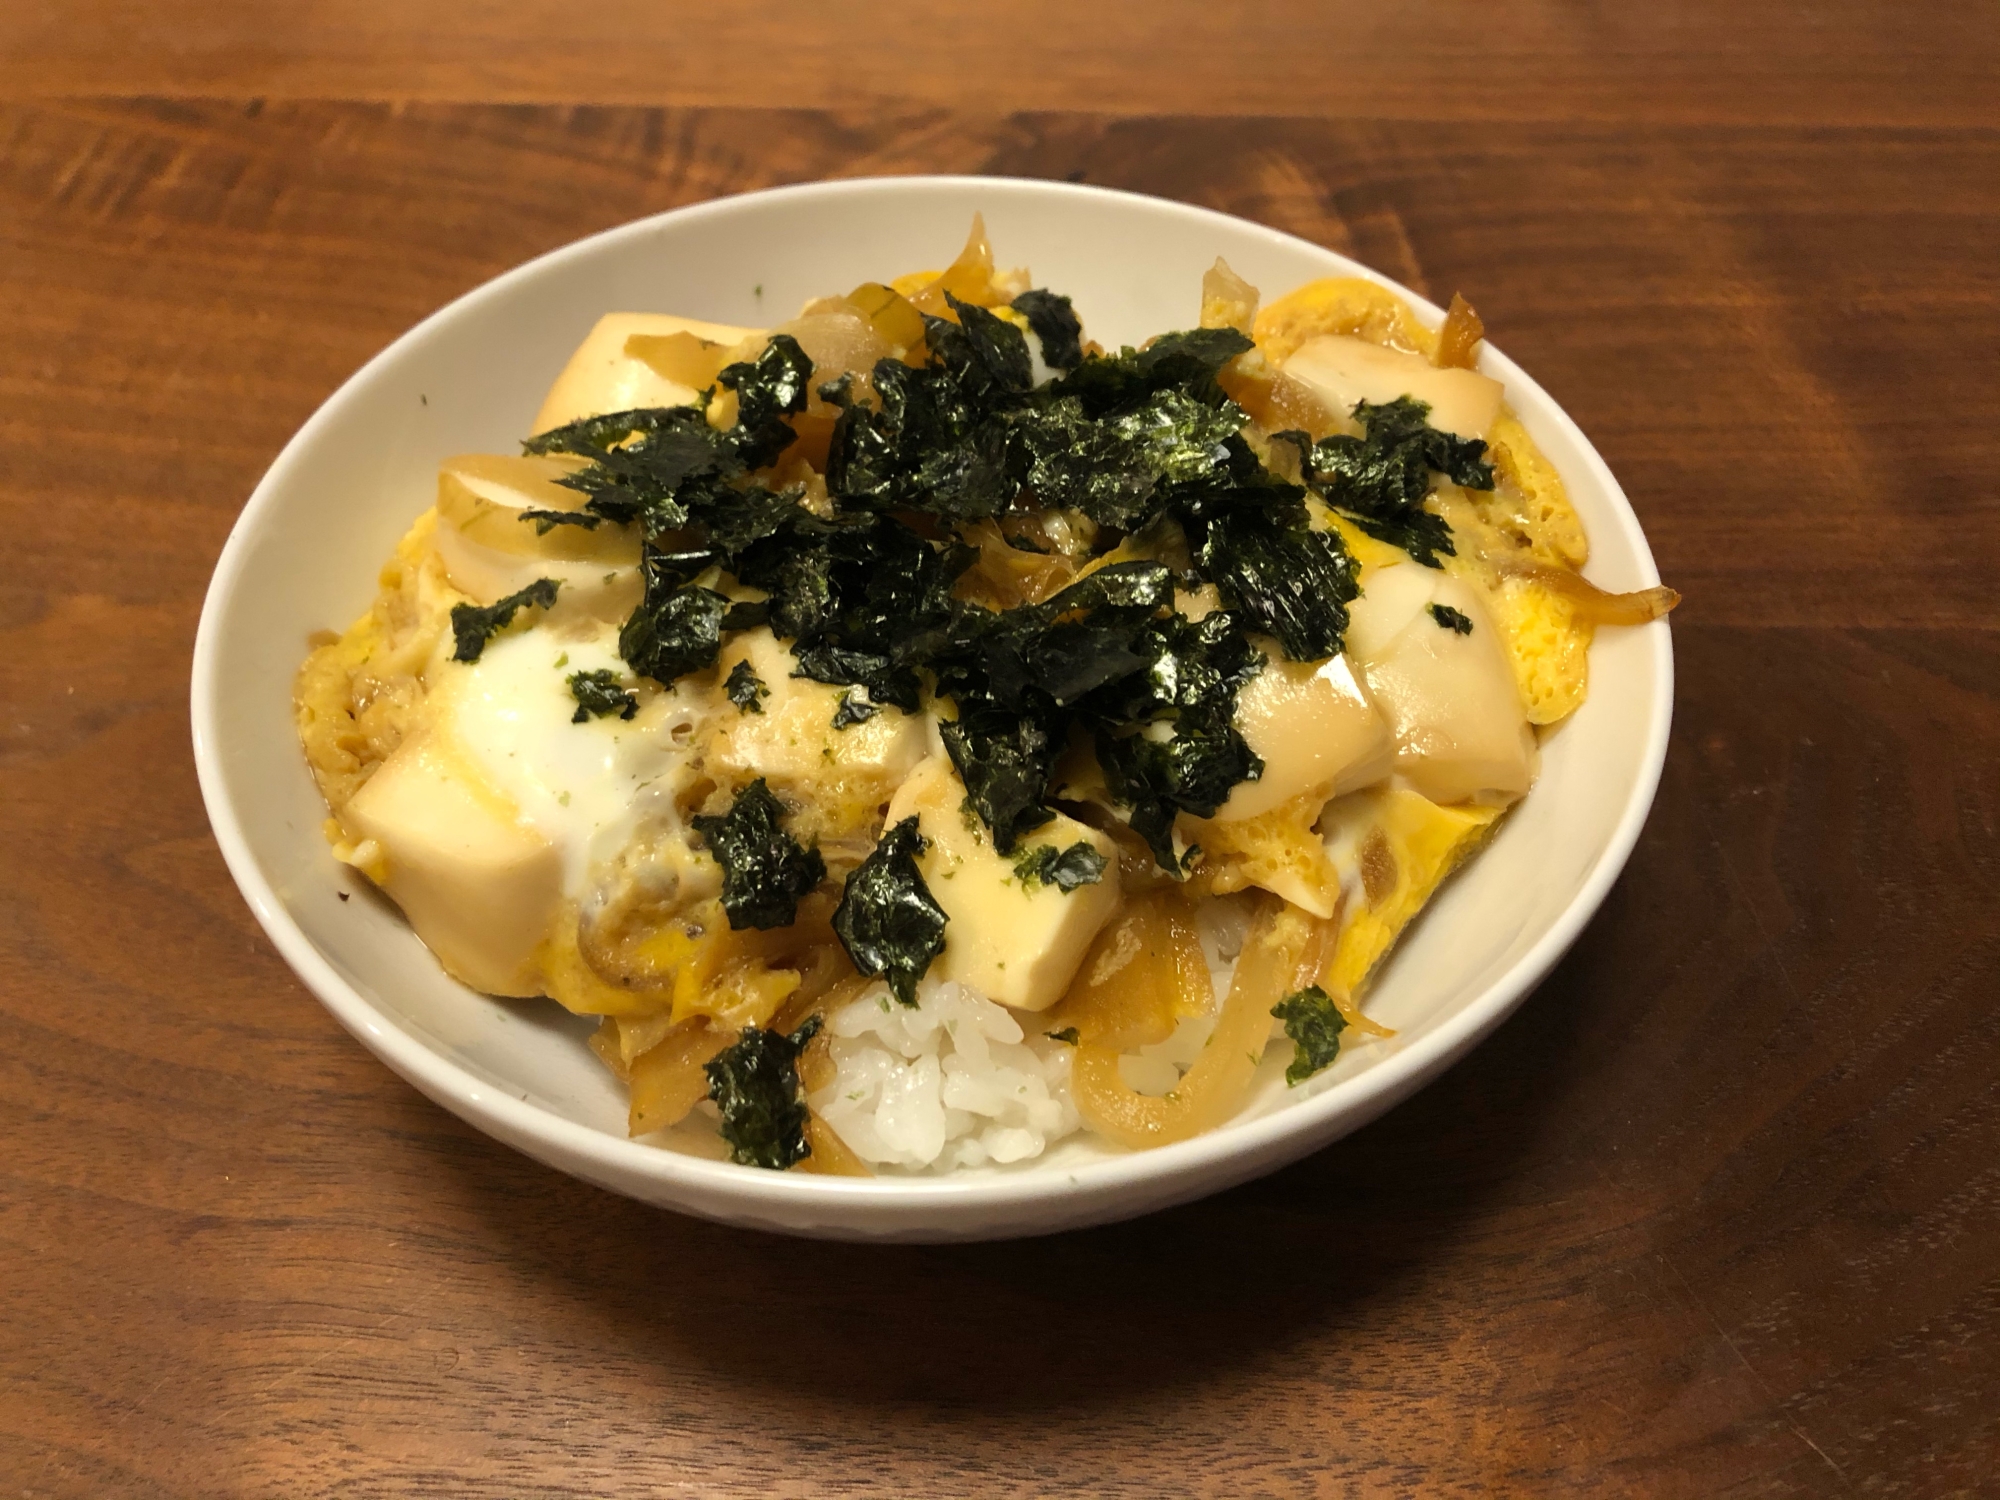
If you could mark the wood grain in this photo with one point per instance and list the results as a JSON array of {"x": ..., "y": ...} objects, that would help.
[
  {"x": 1697, "y": 61},
  {"x": 1716, "y": 1215}
]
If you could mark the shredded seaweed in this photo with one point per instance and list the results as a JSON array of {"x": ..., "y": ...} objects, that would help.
[
  {"x": 546, "y": 521},
  {"x": 677, "y": 627},
  {"x": 744, "y": 687},
  {"x": 1314, "y": 1023},
  {"x": 598, "y": 694},
  {"x": 755, "y": 1085},
  {"x": 1065, "y": 869},
  {"x": 854, "y": 709},
  {"x": 1450, "y": 619},
  {"x": 887, "y": 920},
  {"x": 1143, "y": 442},
  {"x": 1381, "y": 479},
  {"x": 769, "y": 389},
  {"x": 472, "y": 626},
  {"x": 764, "y": 869},
  {"x": 1056, "y": 327}
]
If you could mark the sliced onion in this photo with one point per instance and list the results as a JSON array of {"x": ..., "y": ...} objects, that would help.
[
  {"x": 969, "y": 278},
  {"x": 1316, "y": 966},
  {"x": 1458, "y": 340},
  {"x": 1144, "y": 970},
  {"x": 1227, "y": 300},
  {"x": 830, "y": 1156},
  {"x": 668, "y": 1081},
  {"x": 1214, "y": 1087},
  {"x": 1592, "y": 603}
]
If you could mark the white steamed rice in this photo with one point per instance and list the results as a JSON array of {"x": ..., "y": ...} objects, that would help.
[
  {"x": 951, "y": 1082},
  {"x": 955, "y": 1081}
]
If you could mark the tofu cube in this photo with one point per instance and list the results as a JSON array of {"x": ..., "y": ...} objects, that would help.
[
  {"x": 1342, "y": 371},
  {"x": 480, "y": 886},
  {"x": 1451, "y": 700},
  {"x": 1016, "y": 943}
]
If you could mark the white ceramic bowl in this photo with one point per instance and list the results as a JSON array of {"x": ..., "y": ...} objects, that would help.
[{"x": 305, "y": 551}]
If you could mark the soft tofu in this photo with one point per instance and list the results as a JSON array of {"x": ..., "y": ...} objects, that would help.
[
  {"x": 1343, "y": 371},
  {"x": 1459, "y": 725},
  {"x": 1314, "y": 729},
  {"x": 1016, "y": 944},
  {"x": 479, "y": 885},
  {"x": 489, "y": 551},
  {"x": 793, "y": 743},
  {"x": 603, "y": 377}
]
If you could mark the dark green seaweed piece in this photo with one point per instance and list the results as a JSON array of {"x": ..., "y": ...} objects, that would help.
[
  {"x": 1314, "y": 1024},
  {"x": 548, "y": 520},
  {"x": 1382, "y": 478},
  {"x": 934, "y": 444},
  {"x": 1015, "y": 676},
  {"x": 1056, "y": 325},
  {"x": 472, "y": 626},
  {"x": 854, "y": 709},
  {"x": 1067, "y": 1036},
  {"x": 645, "y": 465},
  {"x": 887, "y": 919},
  {"x": 1451, "y": 619},
  {"x": 768, "y": 389},
  {"x": 1119, "y": 468},
  {"x": 1065, "y": 869},
  {"x": 755, "y": 1084},
  {"x": 1000, "y": 348},
  {"x": 1195, "y": 670},
  {"x": 745, "y": 688},
  {"x": 1077, "y": 641},
  {"x": 863, "y": 600},
  {"x": 764, "y": 869},
  {"x": 1288, "y": 581},
  {"x": 677, "y": 628},
  {"x": 598, "y": 693},
  {"x": 1186, "y": 361},
  {"x": 1005, "y": 758}
]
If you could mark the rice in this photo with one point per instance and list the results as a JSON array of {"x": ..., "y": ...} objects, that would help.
[
  {"x": 955, "y": 1082},
  {"x": 950, "y": 1082}
]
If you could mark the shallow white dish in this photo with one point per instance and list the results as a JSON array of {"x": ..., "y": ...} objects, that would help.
[{"x": 304, "y": 554}]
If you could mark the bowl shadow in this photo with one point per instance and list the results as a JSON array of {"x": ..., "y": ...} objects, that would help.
[{"x": 1081, "y": 1321}]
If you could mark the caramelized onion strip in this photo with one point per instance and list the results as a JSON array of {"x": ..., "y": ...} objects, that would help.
[
  {"x": 667, "y": 1081},
  {"x": 1592, "y": 603},
  {"x": 1214, "y": 1087},
  {"x": 1143, "y": 971},
  {"x": 830, "y": 1155},
  {"x": 1458, "y": 340},
  {"x": 1316, "y": 965}
]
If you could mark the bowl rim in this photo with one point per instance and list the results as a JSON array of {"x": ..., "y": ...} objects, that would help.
[{"x": 607, "y": 1158}]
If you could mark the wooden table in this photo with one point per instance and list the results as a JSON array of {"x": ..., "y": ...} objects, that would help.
[{"x": 1717, "y": 1214}]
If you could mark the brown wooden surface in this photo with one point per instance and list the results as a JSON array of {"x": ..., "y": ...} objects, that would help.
[{"x": 1718, "y": 1213}]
